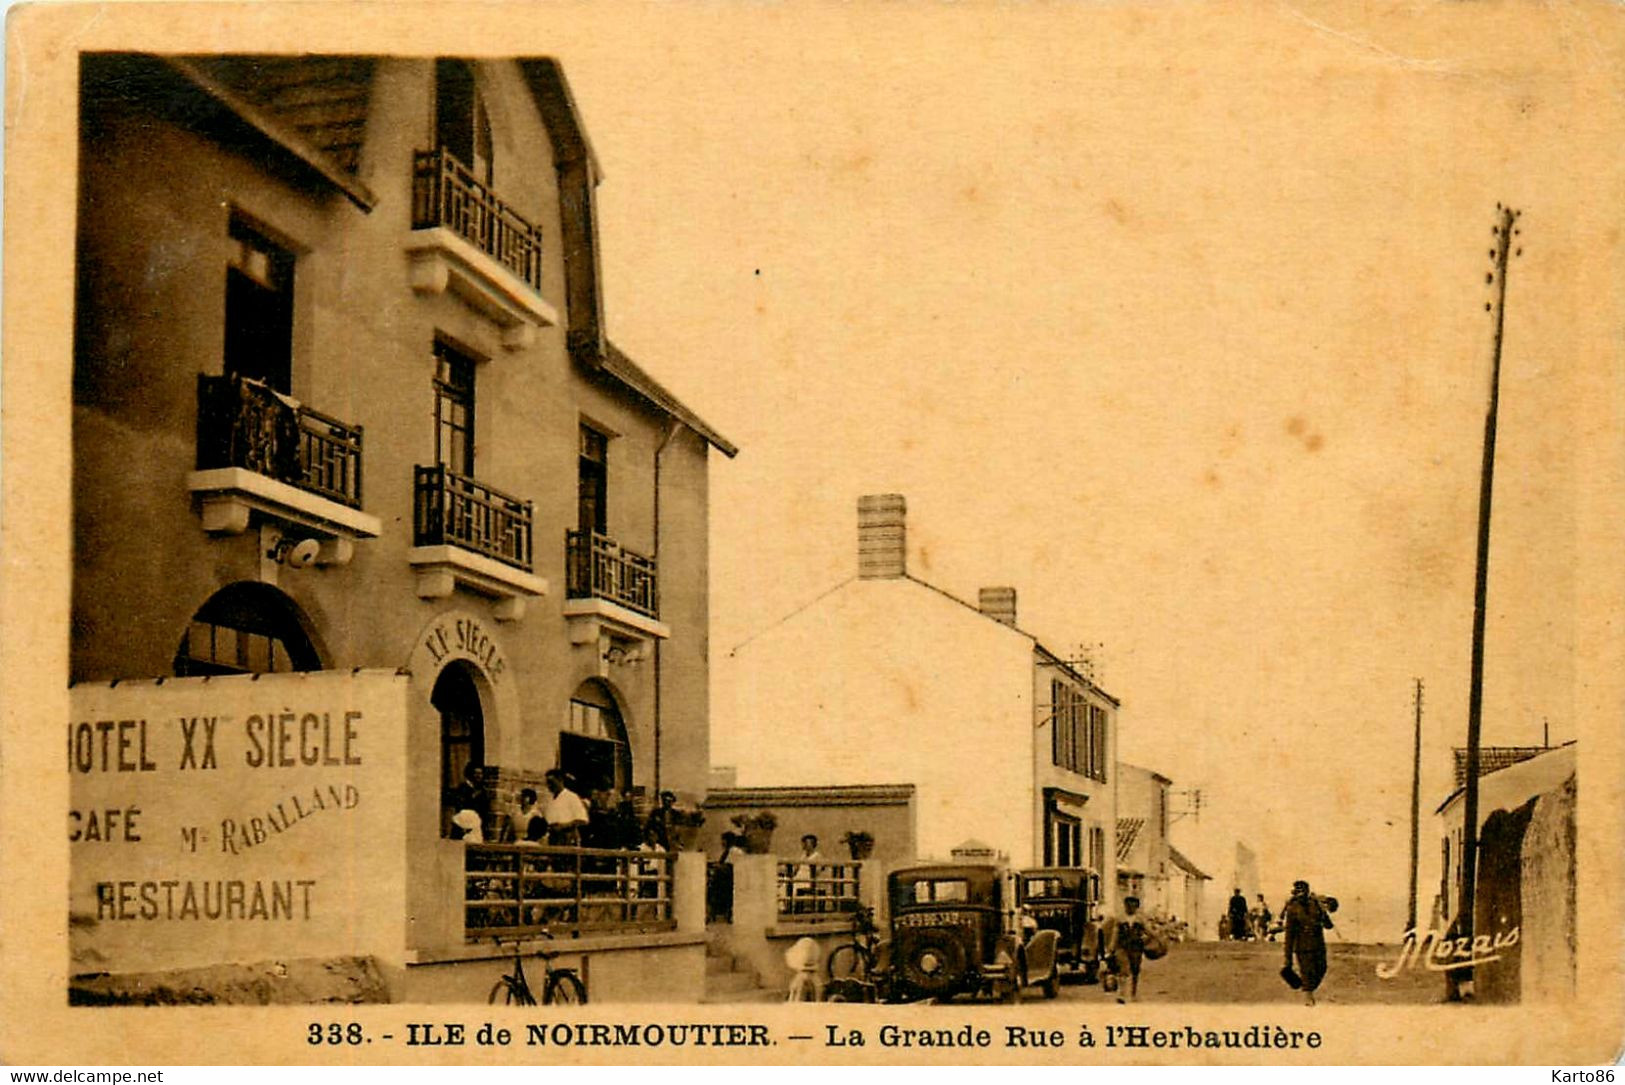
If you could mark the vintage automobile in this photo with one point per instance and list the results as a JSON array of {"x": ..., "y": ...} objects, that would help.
[
  {"x": 959, "y": 930},
  {"x": 1066, "y": 900}
]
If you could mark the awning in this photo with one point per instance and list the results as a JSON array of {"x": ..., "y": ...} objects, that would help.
[{"x": 1062, "y": 801}]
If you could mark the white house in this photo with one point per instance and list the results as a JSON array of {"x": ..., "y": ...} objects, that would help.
[
  {"x": 1510, "y": 777},
  {"x": 888, "y": 679},
  {"x": 1143, "y": 859}
]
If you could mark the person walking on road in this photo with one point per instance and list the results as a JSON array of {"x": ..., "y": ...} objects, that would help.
[
  {"x": 1304, "y": 921},
  {"x": 1126, "y": 948},
  {"x": 1264, "y": 919},
  {"x": 1238, "y": 916}
]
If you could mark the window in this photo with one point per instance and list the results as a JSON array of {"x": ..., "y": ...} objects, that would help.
[
  {"x": 462, "y": 125},
  {"x": 245, "y": 628},
  {"x": 593, "y": 749},
  {"x": 1097, "y": 848},
  {"x": 259, "y": 308},
  {"x": 1099, "y": 719},
  {"x": 1078, "y": 732},
  {"x": 1065, "y": 844},
  {"x": 454, "y": 410},
  {"x": 593, "y": 491},
  {"x": 931, "y": 892}
]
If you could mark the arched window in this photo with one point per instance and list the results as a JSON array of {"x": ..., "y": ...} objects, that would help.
[
  {"x": 246, "y": 628},
  {"x": 593, "y": 749},
  {"x": 462, "y": 736},
  {"x": 462, "y": 125}
]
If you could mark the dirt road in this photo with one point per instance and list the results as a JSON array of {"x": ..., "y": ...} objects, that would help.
[{"x": 1249, "y": 972}]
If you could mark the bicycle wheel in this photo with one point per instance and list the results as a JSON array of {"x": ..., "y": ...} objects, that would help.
[
  {"x": 564, "y": 988},
  {"x": 848, "y": 962},
  {"x": 509, "y": 992}
]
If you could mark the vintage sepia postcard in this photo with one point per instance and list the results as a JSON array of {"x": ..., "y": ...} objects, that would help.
[{"x": 846, "y": 533}]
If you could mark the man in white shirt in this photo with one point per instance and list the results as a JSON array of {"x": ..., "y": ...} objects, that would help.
[{"x": 565, "y": 813}]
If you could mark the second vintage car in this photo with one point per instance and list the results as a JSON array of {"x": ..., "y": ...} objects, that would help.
[{"x": 1066, "y": 900}]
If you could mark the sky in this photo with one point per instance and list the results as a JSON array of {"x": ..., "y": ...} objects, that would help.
[{"x": 1173, "y": 319}]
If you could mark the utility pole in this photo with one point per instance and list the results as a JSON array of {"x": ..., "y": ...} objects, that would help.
[
  {"x": 1504, "y": 232},
  {"x": 1416, "y": 805}
]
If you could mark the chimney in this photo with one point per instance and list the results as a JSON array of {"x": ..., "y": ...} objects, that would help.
[
  {"x": 998, "y": 604},
  {"x": 882, "y": 540}
]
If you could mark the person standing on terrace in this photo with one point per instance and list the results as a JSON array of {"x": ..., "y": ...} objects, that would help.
[{"x": 565, "y": 813}]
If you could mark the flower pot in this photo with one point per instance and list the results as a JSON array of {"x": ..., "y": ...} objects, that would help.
[
  {"x": 861, "y": 849},
  {"x": 758, "y": 841}
]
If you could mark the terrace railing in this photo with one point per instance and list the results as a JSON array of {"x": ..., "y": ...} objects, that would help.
[
  {"x": 817, "y": 890},
  {"x": 453, "y": 509},
  {"x": 515, "y": 889},
  {"x": 244, "y": 423},
  {"x": 600, "y": 568},
  {"x": 446, "y": 193}
]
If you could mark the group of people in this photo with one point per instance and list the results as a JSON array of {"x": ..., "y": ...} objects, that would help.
[
  {"x": 562, "y": 819},
  {"x": 1240, "y": 923},
  {"x": 1305, "y": 918},
  {"x": 1303, "y": 923}
]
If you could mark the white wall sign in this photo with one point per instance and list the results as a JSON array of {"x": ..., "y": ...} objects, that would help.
[{"x": 236, "y": 819}]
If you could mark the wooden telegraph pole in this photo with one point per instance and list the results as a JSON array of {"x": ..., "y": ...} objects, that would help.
[
  {"x": 1504, "y": 231},
  {"x": 1416, "y": 807}
]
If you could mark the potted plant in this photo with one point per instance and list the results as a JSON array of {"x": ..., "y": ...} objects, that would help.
[
  {"x": 860, "y": 842},
  {"x": 683, "y": 826},
  {"x": 757, "y": 829}
]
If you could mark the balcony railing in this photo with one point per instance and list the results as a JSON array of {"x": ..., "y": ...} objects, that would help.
[
  {"x": 452, "y": 509},
  {"x": 600, "y": 568},
  {"x": 519, "y": 888},
  {"x": 446, "y": 193},
  {"x": 817, "y": 890},
  {"x": 244, "y": 423}
]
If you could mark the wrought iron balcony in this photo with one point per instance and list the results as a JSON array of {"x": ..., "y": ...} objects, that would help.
[
  {"x": 454, "y": 510},
  {"x": 243, "y": 423},
  {"x": 445, "y": 193},
  {"x": 600, "y": 568}
]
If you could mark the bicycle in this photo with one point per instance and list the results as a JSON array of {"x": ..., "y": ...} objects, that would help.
[
  {"x": 855, "y": 960},
  {"x": 560, "y": 986}
]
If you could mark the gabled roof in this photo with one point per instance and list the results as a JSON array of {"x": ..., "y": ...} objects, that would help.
[
  {"x": 1493, "y": 759},
  {"x": 322, "y": 99},
  {"x": 1523, "y": 769},
  {"x": 1050, "y": 658},
  {"x": 1153, "y": 773},
  {"x": 558, "y": 105},
  {"x": 1128, "y": 832},
  {"x": 1179, "y": 860},
  {"x": 210, "y": 94},
  {"x": 632, "y": 376}
]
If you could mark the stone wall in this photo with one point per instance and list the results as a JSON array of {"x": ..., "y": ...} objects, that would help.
[{"x": 1548, "y": 887}]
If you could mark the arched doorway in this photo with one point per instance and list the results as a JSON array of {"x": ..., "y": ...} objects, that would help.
[
  {"x": 462, "y": 732},
  {"x": 593, "y": 749},
  {"x": 247, "y": 628}
]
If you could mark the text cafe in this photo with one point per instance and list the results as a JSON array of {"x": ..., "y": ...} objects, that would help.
[{"x": 241, "y": 819}]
